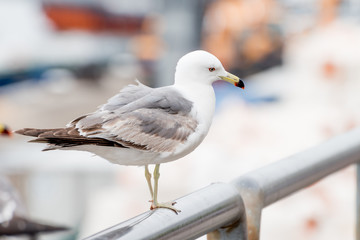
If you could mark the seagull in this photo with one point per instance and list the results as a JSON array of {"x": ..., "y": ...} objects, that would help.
[{"x": 145, "y": 126}]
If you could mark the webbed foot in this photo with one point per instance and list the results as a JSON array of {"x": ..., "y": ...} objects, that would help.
[{"x": 168, "y": 205}]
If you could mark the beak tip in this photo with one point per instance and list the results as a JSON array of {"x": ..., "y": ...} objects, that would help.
[{"x": 241, "y": 84}]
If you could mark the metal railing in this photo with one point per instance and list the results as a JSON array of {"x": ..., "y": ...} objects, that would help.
[{"x": 233, "y": 210}]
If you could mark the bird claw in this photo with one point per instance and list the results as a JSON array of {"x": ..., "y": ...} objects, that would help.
[{"x": 168, "y": 205}]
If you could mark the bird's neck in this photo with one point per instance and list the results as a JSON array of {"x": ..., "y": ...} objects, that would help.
[{"x": 203, "y": 98}]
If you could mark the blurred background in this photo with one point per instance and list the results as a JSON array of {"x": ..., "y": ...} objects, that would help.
[{"x": 60, "y": 59}]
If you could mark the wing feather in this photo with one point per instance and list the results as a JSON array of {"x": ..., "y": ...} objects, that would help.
[
  {"x": 158, "y": 121},
  {"x": 154, "y": 120}
]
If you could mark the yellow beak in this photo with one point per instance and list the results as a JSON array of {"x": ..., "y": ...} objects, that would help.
[{"x": 231, "y": 78}]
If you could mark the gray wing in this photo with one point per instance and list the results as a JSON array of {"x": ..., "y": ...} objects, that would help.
[
  {"x": 156, "y": 120},
  {"x": 128, "y": 94}
]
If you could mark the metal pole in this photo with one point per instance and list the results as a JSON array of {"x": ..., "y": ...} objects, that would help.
[
  {"x": 291, "y": 174},
  {"x": 267, "y": 185},
  {"x": 205, "y": 210},
  {"x": 222, "y": 206}
]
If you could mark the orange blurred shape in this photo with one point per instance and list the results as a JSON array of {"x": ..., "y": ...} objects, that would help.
[
  {"x": 5, "y": 131},
  {"x": 311, "y": 224},
  {"x": 66, "y": 18},
  {"x": 69, "y": 17},
  {"x": 329, "y": 69}
]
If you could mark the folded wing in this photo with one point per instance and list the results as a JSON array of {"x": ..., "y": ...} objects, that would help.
[{"x": 139, "y": 117}]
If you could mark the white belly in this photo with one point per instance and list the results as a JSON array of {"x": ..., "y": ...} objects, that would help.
[{"x": 121, "y": 156}]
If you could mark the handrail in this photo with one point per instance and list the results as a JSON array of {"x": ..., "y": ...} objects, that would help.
[{"x": 234, "y": 209}]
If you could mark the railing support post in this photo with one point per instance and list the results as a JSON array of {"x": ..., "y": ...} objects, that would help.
[
  {"x": 253, "y": 198},
  {"x": 248, "y": 227}
]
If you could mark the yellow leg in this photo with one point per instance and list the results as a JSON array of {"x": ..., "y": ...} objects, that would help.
[
  {"x": 155, "y": 203},
  {"x": 156, "y": 184},
  {"x": 148, "y": 179}
]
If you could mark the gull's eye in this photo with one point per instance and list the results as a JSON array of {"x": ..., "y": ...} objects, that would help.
[{"x": 211, "y": 69}]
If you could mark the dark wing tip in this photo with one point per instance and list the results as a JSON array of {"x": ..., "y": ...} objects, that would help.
[
  {"x": 20, "y": 131},
  {"x": 33, "y": 132}
]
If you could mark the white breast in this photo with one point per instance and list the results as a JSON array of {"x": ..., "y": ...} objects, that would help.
[{"x": 203, "y": 98}]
